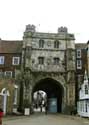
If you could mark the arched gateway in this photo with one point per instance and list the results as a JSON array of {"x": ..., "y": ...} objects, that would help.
[
  {"x": 50, "y": 59},
  {"x": 53, "y": 89},
  {"x": 53, "y": 85}
]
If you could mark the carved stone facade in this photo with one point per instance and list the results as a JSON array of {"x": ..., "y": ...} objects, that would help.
[{"x": 50, "y": 57}]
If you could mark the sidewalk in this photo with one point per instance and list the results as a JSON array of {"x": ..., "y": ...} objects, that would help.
[
  {"x": 75, "y": 117},
  {"x": 14, "y": 117}
]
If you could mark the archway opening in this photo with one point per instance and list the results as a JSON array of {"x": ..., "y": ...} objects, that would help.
[
  {"x": 39, "y": 101},
  {"x": 53, "y": 89}
]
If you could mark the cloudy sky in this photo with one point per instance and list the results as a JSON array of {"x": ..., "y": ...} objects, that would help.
[{"x": 46, "y": 15}]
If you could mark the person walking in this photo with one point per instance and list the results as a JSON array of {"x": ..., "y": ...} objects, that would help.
[{"x": 46, "y": 108}]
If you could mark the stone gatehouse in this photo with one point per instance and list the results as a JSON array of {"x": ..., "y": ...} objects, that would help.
[{"x": 49, "y": 61}]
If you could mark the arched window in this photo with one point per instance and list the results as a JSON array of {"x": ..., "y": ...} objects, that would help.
[
  {"x": 41, "y": 60},
  {"x": 56, "y": 44},
  {"x": 5, "y": 91},
  {"x": 56, "y": 61},
  {"x": 41, "y": 43}
]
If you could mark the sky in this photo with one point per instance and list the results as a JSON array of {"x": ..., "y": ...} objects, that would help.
[{"x": 46, "y": 15}]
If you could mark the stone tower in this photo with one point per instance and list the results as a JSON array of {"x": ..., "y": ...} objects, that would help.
[{"x": 49, "y": 60}]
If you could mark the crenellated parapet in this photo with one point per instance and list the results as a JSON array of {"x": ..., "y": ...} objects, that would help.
[
  {"x": 30, "y": 28},
  {"x": 62, "y": 30}
]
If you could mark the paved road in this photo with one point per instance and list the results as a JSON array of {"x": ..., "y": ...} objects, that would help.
[{"x": 42, "y": 119}]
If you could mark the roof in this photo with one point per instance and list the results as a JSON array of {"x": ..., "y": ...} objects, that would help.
[
  {"x": 7, "y": 46},
  {"x": 80, "y": 45}
]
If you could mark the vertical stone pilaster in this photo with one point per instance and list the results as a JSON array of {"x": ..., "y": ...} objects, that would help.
[
  {"x": 70, "y": 98},
  {"x": 30, "y": 94},
  {"x": 64, "y": 101},
  {"x": 71, "y": 94}
]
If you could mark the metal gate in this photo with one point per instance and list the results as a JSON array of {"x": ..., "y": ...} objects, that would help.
[{"x": 52, "y": 105}]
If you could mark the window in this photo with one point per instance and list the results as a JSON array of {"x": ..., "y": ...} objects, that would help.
[
  {"x": 56, "y": 61},
  {"x": 16, "y": 60},
  {"x": 49, "y": 43},
  {"x": 56, "y": 44},
  {"x": 79, "y": 64},
  {"x": 78, "y": 53},
  {"x": 1, "y": 59},
  {"x": 8, "y": 74},
  {"x": 86, "y": 89},
  {"x": 41, "y": 60},
  {"x": 41, "y": 43}
]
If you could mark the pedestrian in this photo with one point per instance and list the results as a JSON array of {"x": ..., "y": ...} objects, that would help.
[
  {"x": 41, "y": 108},
  {"x": 46, "y": 108},
  {"x": 1, "y": 115}
]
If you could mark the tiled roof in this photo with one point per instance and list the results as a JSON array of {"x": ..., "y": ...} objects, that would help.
[
  {"x": 80, "y": 45},
  {"x": 7, "y": 46}
]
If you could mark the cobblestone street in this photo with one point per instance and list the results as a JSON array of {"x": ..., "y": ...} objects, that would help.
[{"x": 42, "y": 119}]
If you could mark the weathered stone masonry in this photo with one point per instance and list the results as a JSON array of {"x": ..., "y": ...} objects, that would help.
[{"x": 51, "y": 55}]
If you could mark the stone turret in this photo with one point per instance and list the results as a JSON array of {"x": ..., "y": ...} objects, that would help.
[
  {"x": 30, "y": 28},
  {"x": 62, "y": 30}
]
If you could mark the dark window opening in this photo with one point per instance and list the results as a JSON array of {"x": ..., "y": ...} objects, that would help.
[
  {"x": 56, "y": 44},
  {"x": 41, "y": 60},
  {"x": 41, "y": 43}
]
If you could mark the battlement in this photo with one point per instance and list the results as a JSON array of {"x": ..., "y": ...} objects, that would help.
[
  {"x": 30, "y": 28},
  {"x": 62, "y": 30}
]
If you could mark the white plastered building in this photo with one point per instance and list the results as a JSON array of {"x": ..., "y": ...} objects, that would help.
[{"x": 83, "y": 103}]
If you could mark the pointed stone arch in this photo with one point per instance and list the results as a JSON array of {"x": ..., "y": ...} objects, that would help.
[{"x": 58, "y": 81}]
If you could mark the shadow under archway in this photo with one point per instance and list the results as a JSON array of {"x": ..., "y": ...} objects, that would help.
[{"x": 52, "y": 88}]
